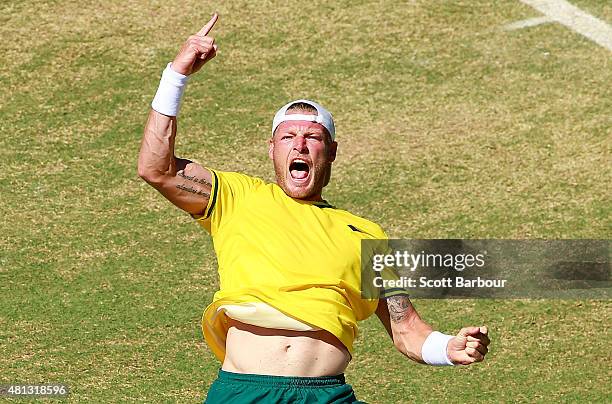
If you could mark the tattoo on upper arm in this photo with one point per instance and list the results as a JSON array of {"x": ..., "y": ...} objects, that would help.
[
  {"x": 191, "y": 189},
  {"x": 194, "y": 178},
  {"x": 398, "y": 308}
]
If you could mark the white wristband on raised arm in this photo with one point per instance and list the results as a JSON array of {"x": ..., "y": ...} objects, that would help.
[
  {"x": 433, "y": 350},
  {"x": 167, "y": 100}
]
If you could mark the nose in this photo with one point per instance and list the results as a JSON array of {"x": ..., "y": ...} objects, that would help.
[{"x": 299, "y": 144}]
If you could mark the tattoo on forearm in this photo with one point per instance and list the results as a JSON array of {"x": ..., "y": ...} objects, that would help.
[
  {"x": 398, "y": 308},
  {"x": 194, "y": 179},
  {"x": 193, "y": 190}
]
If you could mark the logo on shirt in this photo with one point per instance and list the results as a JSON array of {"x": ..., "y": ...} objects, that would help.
[{"x": 357, "y": 229}]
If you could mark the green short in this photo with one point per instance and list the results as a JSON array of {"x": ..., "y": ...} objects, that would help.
[{"x": 247, "y": 388}]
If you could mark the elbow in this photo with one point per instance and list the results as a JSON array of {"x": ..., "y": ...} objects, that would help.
[
  {"x": 147, "y": 174},
  {"x": 144, "y": 173},
  {"x": 143, "y": 170}
]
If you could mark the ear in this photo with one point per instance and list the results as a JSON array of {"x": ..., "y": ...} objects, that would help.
[
  {"x": 333, "y": 149},
  {"x": 271, "y": 148}
]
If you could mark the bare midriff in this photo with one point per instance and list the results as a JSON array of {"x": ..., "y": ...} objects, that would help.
[{"x": 267, "y": 351}]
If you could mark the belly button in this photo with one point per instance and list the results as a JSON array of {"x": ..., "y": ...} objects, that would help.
[{"x": 287, "y": 348}]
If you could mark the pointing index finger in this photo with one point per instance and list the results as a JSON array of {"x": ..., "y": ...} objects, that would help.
[{"x": 209, "y": 25}]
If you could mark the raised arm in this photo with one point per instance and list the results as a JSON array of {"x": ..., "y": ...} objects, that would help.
[
  {"x": 183, "y": 182},
  {"x": 418, "y": 341}
]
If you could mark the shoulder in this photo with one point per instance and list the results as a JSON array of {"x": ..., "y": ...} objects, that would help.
[
  {"x": 235, "y": 177},
  {"x": 229, "y": 184},
  {"x": 360, "y": 223},
  {"x": 230, "y": 191}
]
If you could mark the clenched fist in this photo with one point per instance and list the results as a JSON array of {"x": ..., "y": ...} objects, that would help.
[
  {"x": 469, "y": 346},
  {"x": 197, "y": 50}
]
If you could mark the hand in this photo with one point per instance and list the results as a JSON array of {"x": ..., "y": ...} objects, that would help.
[
  {"x": 469, "y": 346},
  {"x": 197, "y": 50}
]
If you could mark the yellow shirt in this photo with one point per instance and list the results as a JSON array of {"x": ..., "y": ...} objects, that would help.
[{"x": 302, "y": 258}]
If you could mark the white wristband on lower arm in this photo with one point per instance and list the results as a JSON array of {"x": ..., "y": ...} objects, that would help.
[
  {"x": 167, "y": 100},
  {"x": 433, "y": 350}
]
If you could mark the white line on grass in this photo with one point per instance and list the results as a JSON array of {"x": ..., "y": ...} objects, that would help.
[
  {"x": 574, "y": 18},
  {"x": 530, "y": 22}
]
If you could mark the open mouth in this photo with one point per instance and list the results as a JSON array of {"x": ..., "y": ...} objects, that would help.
[{"x": 299, "y": 169}]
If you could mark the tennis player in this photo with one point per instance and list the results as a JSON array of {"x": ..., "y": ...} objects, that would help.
[{"x": 285, "y": 318}]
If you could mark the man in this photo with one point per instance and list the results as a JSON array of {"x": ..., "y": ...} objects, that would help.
[{"x": 285, "y": 317}]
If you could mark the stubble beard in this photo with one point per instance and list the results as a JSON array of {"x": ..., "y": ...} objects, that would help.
[{"x": 309, "y": 192}]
